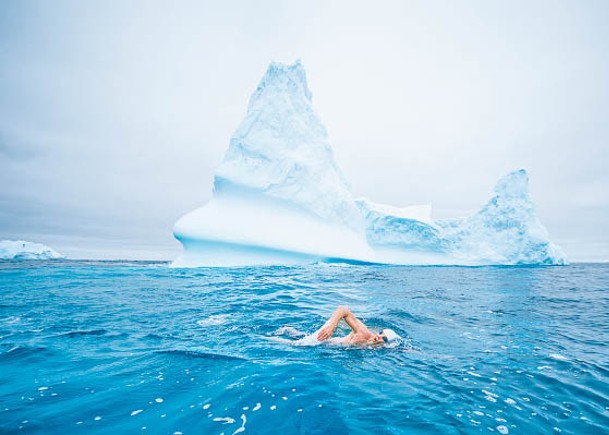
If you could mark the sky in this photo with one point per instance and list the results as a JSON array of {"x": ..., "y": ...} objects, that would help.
[{"x": 114, "y": 114}]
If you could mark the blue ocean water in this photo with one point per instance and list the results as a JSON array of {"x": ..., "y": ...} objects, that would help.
[{"x": 117, "y": 347}]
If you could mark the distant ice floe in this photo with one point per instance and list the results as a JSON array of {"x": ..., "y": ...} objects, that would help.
[
  {"x": 22, "y": 250},
  {"x": 279, "y": 197}
]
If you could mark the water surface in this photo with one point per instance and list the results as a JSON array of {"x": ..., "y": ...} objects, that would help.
[{"x": 137, "y": 347}]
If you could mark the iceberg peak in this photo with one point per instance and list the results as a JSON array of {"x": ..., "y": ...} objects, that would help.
[
  {"x": 280, "y": 153},
  {"x": 284, "y": 79},
  {"x": 506, "y": 230},
  {"x": 513, "y": 185}
]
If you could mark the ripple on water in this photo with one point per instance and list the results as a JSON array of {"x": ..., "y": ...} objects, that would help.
[{"x": 199, "y": 354}]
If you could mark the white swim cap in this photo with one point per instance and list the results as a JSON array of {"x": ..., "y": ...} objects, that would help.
[{"x": 390, "y": 334}]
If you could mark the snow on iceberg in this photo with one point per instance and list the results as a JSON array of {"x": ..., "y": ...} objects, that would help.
[
  {"x": 21, "y": 250},
  {"x": 280, "y": 198}
]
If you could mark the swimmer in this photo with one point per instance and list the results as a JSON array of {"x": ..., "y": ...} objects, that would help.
[{"x": 360, "y": 334}]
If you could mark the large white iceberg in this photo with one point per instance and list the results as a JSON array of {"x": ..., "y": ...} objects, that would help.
[
  {"x": 280, "y": 198},
  {"x": 22, "y": 250}
]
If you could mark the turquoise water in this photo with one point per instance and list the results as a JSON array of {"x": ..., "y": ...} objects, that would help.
[{"x": 102, "y": 347}]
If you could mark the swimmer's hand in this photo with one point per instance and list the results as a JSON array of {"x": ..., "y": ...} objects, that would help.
[
  {"x": 325, "y": 333},
  {"x": 328, "y": 329}
]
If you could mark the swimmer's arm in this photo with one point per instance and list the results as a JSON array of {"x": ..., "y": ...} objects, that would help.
[
  {"x": 328, "y": 329},
  {"x": 355, "y": 324}
]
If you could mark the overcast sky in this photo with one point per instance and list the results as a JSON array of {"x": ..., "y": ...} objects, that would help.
[{"x": 114, "y": 114}]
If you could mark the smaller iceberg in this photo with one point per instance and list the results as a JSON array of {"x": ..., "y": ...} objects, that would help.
[
  {"x": 506, "y": 231},
  {"x": 22, "y": 250}
]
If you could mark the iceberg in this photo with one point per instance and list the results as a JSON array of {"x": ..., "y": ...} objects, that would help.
[
  {"x": 505, "y": 231},
  {"x": 22, "y": 250},
  {"x": 279, "y": 197}
]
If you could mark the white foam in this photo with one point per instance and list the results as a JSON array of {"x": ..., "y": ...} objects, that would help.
[
  {"x": 215, "y": 320},
  {"x": 289, "y": 331},
  {"x": 136, "y": 412},
  {"x": 242, "y": 428},
  {"x": 503, "y": 430},
  {"x": 273, "y": 407},
  {"x": 226, "y": 420},
  {"x": 257, "y": 407},
  {"x": 558, "y": 357},
  {"x": 158, "y": 400},
  {"x": 206, "y": 406}
]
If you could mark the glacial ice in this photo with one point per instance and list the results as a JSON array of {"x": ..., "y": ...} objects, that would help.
[
  {"x": 504, "y": 231},
  {"x": 21, "y": 250},
  {"x": 280, "y": 198}
]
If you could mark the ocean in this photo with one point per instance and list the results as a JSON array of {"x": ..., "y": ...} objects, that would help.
[{"x": 137, "y": 347}]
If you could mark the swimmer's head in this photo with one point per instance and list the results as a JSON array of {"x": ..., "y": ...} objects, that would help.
[{"x": 386, "y": 336}]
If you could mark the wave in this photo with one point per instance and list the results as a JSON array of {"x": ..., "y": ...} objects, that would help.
[
  {"x": 23, "y": 351},
  {"x": 199, "y": 354},
  {"x": 79, "y": 332}
]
